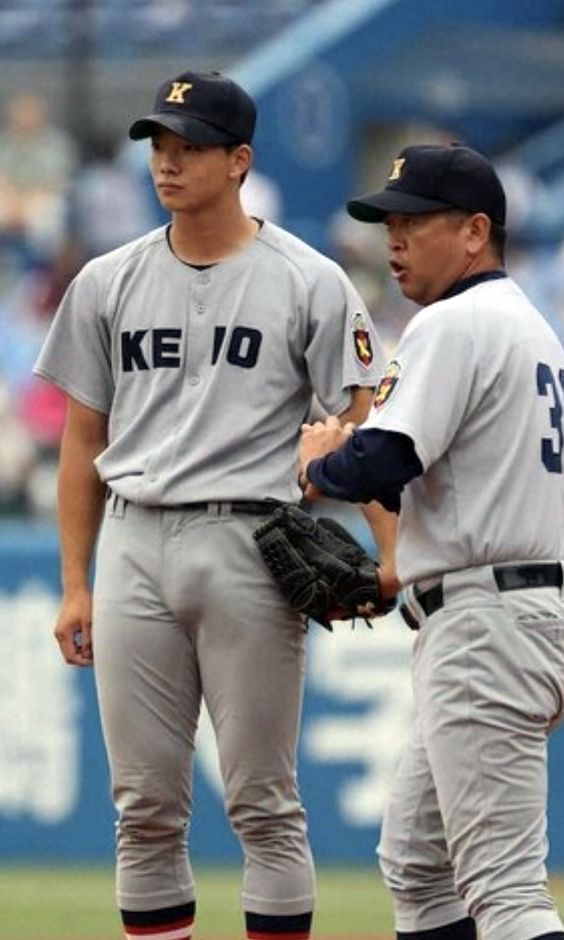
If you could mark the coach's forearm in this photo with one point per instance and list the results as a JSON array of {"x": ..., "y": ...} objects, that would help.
[
  {"x": 384, "y": 525},
  {"x": 371, "y": 465}
]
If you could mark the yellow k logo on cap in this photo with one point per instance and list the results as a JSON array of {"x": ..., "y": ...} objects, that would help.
[
  {"x": 396, "y": 169},
  {"x": 177, "y": 92}
]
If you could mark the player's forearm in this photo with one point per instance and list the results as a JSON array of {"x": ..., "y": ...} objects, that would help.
[
  {"x": 361, "y": 402},
  {"x": 81, "y": 497},
  {"x": 81, "y": 500}
]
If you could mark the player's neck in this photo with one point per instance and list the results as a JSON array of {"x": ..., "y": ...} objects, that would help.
[{"x": 205, "y": 238}]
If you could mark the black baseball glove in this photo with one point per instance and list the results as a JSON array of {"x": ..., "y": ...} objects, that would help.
[{"x": 322, "y": 571}]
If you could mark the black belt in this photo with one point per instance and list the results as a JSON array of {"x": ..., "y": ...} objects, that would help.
[
  {"x": 249, "y": 506},
  {"x": 508, "y": 578},
  {"x": 258, "y": 507}
]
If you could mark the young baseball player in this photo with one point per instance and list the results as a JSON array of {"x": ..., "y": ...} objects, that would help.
[
  {"x": 190, "y": 358},
  {"x": 467, "y": 436}
]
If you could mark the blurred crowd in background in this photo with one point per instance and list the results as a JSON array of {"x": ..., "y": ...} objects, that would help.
[{"x": 61, "y": 204}]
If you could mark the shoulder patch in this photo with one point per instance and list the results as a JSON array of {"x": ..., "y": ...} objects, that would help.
[
  {"x": 362, "y": 343},
  {"x": 387, "y": 383}
]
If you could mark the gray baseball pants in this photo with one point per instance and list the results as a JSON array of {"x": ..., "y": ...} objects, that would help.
[
  {"x": 465, "y": 829},
  {"x": 183, "y": 609}
]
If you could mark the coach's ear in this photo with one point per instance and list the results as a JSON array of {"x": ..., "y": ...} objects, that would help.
[{"x": 478, "y": 228}]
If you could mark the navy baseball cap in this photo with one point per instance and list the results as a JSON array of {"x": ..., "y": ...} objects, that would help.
[
  {"x": 432, "y": 178},
  {"x": 205, "y": 108}
]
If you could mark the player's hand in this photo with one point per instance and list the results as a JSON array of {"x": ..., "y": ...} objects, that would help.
[
  {"x": 390, "y": 584},
  {"x": 318, "y": 440},
  {"x": 73, "y": 630}
]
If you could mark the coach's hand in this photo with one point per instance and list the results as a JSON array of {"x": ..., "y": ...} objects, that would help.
[
  {"x": 73, "y": 630},
  {"x": 318, "y": 440}
]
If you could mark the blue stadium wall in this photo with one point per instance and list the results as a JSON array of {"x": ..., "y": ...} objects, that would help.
[{"x": 54, "y": 786}]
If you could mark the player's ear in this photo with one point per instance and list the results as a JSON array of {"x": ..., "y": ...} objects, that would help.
[{"x": 241, "y": 158}]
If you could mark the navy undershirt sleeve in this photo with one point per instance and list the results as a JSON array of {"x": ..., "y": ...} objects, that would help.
[{"x": 373, "y": 464}]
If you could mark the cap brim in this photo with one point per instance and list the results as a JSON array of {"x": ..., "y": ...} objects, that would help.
[
  {"x": 187, "y": 126},
  {"x": 375, "y": 207}
]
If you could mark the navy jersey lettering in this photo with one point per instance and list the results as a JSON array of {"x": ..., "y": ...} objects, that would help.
[{"x": 164, "y": 349}]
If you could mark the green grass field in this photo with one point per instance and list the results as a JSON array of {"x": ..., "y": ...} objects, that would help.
[{"x": 77, "y": 904}]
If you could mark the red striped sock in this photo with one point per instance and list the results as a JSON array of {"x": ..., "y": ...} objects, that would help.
[
  {"x": 278, "y": 927},
  {"x": 172, "y": 923}
]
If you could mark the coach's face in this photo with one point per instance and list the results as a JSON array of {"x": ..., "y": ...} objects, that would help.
[
  {"x": 189, "y": 177},
  {"x": 431, "y": 251}
]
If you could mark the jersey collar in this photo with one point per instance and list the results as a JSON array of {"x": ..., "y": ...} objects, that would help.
[{"x": 460, "y": 286}]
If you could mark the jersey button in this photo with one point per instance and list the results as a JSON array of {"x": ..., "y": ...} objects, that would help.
[
  {"x": 204, "y": 279},
  {"x": 200, "y": 309},
  {"x": 194, "y": 379}
]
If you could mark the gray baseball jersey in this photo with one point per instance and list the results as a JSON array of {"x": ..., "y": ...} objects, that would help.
[
  {"x": 207, "y": 374},
  {"x": 477, "y": 382}
]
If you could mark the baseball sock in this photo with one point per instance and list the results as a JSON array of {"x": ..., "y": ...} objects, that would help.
[
  {"x": 461, "y": 930},
  {"x": 278, "y": 927},
  {"x": 170, "y": 923}
]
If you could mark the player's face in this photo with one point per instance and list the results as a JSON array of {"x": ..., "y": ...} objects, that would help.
[
  {"x": 189, "y": 177},
  {"x": 429, "y": 252}
]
